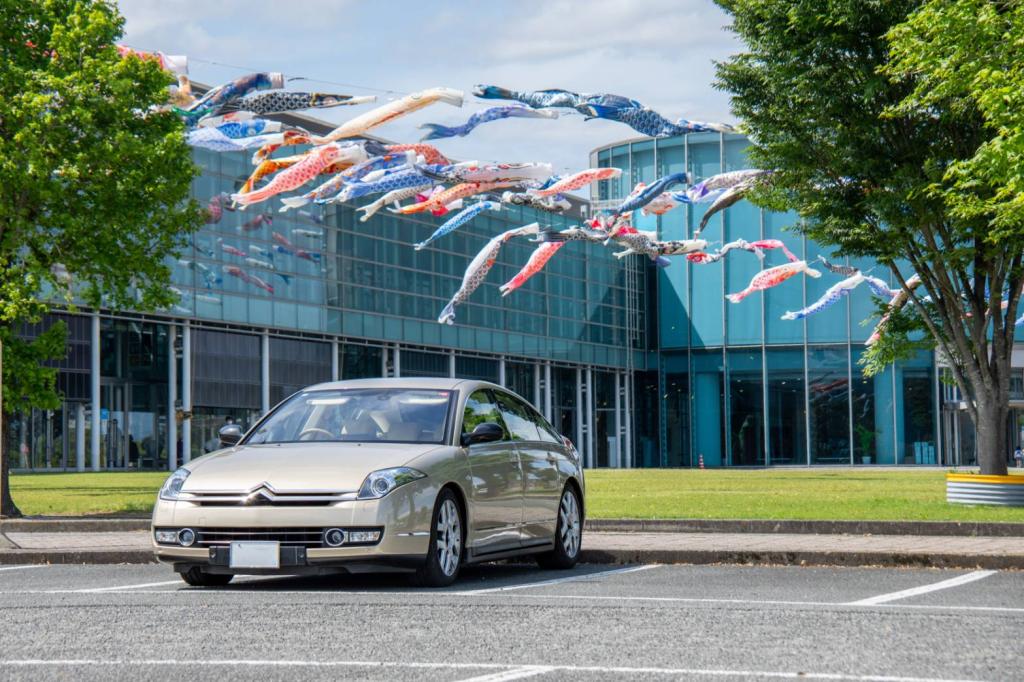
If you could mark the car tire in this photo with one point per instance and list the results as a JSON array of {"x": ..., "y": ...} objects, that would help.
[
  {"x": 196, "y": 577},
  {"x": 568, "y": 534},
  {"x": 447, "y": 540}
]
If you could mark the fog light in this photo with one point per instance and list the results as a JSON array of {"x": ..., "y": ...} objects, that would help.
[
  {"x": 167, "y": 537},
  {"x": 334, "y": 537},
  {"x": 364, "y": 536},
  {"x": 186, "y": 537}
]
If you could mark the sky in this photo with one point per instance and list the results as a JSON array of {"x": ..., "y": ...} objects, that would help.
[{"x": 660, "y": 52}]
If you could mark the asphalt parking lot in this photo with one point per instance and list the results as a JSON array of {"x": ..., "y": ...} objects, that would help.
[{"x": 508, "y": 622}]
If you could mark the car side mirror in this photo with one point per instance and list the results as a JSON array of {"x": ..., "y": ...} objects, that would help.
[
  {"x": 229, "y": 435},
  {"x": 488, "y": 432}
]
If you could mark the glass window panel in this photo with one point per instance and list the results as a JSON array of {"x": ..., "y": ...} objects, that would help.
[
  {"x": 708, "y": 397},
  {"x": 481, "y": 408},
  {"x": 786, "y": 410},
  {"x": 873, "y": 413},
  {"x": 746, "y": 408},
  {"x": 828, "y": 393},
  {"x": 916, "y": 412},
  {"x": 416, "y": 363},
  {"x": 484, "y": 369},
  {"x": 677, "y": 419},
  {"x": 360, "y": 362},
  {"x": 517, "y": 418}
]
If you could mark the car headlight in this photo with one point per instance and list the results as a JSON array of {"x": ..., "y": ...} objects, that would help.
[
  {"x": 380, "y": 483},
  {"x": 172, "y": 486}
]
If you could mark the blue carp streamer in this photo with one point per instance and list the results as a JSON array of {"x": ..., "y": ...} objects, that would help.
[{"x": 436, "y": 131}]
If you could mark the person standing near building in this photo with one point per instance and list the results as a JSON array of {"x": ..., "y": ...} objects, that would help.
[{"x": 1018, "y": 456}]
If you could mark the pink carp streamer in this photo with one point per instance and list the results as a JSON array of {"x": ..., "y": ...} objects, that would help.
[
  {"x": 452, "y": 194},
  {"x": 429, "y": 152},
  {"x": 538, "y": 259},
  {"x": 766, "y": 279},
  {"x": 758, "y": 247},
  {"x": 298, "y": 175},
  {"x": 578, "y": 180}
]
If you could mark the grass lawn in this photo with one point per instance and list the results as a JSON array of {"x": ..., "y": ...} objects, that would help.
[
  {"x": 640, "y": 493},
  {"x": 780, "y": 494},
  {"x": 90, "y": 493}
]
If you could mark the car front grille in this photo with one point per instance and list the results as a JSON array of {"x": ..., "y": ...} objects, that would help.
[
  {"x": 266, "y": 497},
  {"x": 290, "y": 537}
]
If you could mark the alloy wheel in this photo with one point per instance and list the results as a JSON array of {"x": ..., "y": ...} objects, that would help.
[
  {"x": 570, "y": 516},
  {"x": 449, "y": 537}
]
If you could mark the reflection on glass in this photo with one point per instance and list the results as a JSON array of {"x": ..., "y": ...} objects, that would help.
[
  {"x": 786, "y": 416},
  {"x": 746, "y": 408},
  {"x": 829, "y": 404},
  {"x": 677, "y": 419}
]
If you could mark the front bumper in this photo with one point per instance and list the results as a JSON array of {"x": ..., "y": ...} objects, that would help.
[
  {"x": 404, "y": 515},
  {"x": 293, "y": 560}
]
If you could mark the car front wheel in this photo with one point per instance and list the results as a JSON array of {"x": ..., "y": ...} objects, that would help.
[
  {"x": 568, "y": 534},
  {"x": 446, "y": 539},
  {"x": 199, "y": 578}
]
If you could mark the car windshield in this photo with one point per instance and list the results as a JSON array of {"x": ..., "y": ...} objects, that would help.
[{"x": 366, "y": 415}]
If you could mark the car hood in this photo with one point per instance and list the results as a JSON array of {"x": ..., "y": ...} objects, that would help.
[{"x": 339, "y": 467}]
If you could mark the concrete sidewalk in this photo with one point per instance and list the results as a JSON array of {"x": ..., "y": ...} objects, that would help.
[{"x": 633, "y": 547}]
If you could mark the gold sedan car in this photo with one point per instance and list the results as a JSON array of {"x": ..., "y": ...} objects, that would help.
[{"x": 417, "y": 475}]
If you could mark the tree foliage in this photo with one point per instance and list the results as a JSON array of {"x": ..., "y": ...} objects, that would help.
[
  {"x": 29, "y": 378},
  {"x": 94, "y": 181},
  {"x": 93, "y": 178},
  {"x": 883, "y": 122}
]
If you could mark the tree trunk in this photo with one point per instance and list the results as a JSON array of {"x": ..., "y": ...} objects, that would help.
[
  {"x": 7, "y": 507},
  {"x": 991, "y": 440}
]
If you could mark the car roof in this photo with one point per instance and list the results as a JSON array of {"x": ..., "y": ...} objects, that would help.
[{"x": 440, "y": 383}]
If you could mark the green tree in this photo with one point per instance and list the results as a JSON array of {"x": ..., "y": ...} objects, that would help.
[
  {"x": 94, "y": 176},
  {"x": 28, "y": 382},
  {"x": 890, "y": 143}
]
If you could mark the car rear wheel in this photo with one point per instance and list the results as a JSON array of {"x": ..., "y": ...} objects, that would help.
[
  {"x": 568, "y": 534},
  {"x": 446, "y": 539},
  {"x": 197, "y": 577}
]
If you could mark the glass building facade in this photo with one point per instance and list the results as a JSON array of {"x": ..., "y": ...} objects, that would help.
[{"x": 739, "y": 386}]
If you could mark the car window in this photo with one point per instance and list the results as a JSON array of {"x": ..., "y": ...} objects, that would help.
[
  {"x": 517, "y": 418},
  {"x": 360, "y": 415},
  {"x": 547, "y": 432},
  {"x": 480, "y": 408}
]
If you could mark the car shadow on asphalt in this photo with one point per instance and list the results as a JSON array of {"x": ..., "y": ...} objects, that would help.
[{"x": 471, "y": 578}]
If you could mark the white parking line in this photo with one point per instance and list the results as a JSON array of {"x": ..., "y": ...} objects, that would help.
[
  {"x": 119, "y": 588},
  {"x": 557, "y": 581},
  {"x": 924, "y": 589},
  {"x": 514, "y": 674},
  {"x": 18, "y": 568},
  {"x": 497, "y": 667}
]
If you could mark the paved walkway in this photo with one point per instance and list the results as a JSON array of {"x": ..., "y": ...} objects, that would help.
[{"x": 679, "y": 548}]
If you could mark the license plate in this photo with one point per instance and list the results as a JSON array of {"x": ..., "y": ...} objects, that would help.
[{"x": 255, "y": 555}]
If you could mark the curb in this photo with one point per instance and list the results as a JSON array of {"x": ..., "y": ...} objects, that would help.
[
  {"x": 808, "y": 558},
  {"x": 74, "y": 525},
  {"x": 930, "y": 528},
  {"x": 116, "y": 556}
]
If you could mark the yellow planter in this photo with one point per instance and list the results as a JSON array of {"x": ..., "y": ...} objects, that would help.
[{"x": 1006, "y": 491}]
